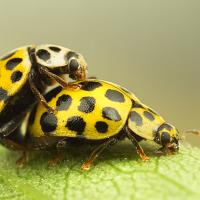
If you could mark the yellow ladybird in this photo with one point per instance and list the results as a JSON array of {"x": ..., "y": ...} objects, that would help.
[
  {"x": 24, "y": 75},
  {"x": 99, "y": 111}
]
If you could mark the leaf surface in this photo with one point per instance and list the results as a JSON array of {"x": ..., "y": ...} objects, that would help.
[{"x": 118, "y": 174}]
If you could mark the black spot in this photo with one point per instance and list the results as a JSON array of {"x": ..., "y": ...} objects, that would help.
[
  {"x": 135, "y": 117},
  {"x": 8, "y": 55},
  {"x": 149, "y": 115},
  {"x": 87, "y": 104},
  {"x": 56, "y": 49},
  {"x": 73, "y": 65},
  {"x": 90, "y": 85},
  {"x": 114, "y": 95},
  {"x": 16, "y": 76},
  {"x": 48, "y": 122},
  {"x": 3, "y": 94},
  {"x": 77, "y": 124},
  {"x": 43, "y": 54},
  {"x": 165, "y": 138},
  {"x": 102, "y": 127},
  {"x": 32, "y": 115},
  {"x": 63, "y": 102},
  {"x": 165, "y": 126},
  {"x": 53, "y": 93},
  {"x": 71, "y": 54},
  {"x": 111, "y": 114},
  {"x": 13, "y": 63},
  {"x": 137, "y": 105}
]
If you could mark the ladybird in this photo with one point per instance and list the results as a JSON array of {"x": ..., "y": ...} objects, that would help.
[
  {"x": 24, "y": 75},
  {"x": 100, "y": 111}
]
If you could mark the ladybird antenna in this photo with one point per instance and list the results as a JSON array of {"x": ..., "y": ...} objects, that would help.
[{"x": 193, "y": 131}]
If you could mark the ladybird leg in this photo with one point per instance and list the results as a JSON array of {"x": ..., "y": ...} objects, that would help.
[
  {"x": 60, "y": 153},
  {"x": 96, "y": 152},
  {"x": 39, "y": 96},
  {"x": 61, "y": 81},
  {"x": 23, "y": 159},
  {"x": 9, "y": 127},
  {"x": 139, "y": 149},
  {"x": 17, "y": 147}
]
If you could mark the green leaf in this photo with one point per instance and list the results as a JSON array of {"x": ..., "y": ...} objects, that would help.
[{"x": 117, "y": 174}]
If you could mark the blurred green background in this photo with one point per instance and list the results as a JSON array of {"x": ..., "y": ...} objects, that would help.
[{"x": 150, "y": 47}]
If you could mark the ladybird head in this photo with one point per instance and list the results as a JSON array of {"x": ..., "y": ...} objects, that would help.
[
  {"x": 77, "y": 67},
  {"x": 167, "y": 136}
]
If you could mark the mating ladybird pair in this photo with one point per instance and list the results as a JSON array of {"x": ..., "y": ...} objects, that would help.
[{"x": 96, "y": 111}]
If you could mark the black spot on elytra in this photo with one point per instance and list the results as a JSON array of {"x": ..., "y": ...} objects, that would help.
[
  {"x": 73, "y": 65},
  {"x": 115, "y": 96},
  {"x": 165, "y": 138},
  {"x": 111, "y": 114},
  {"x": 90, "y": 85},
  {"x": 63, "y": 102},
  {"x": 101, "y": 127},
  {"x": 8, "y": 55},
  {"x": 135, "y": 117},
  {"x": 71, "y": 54},
  {"x": 16, "y": 76},
  {"x": 56, "y": 49},
  {"x": 137, "y": 105},
  {"x": 11, "y": 64},
  {"x": 87, "y": 104},
  {"x": 53, "y": 93},
  {"x": 43, "y": 54},
  {"x": 3, "y": 94},
  {"x": 32, "y": 115},
  {"x": 48, "y": 122},
  {"x": 149, "y": 115},
  {"x": 77, "y": 124}
]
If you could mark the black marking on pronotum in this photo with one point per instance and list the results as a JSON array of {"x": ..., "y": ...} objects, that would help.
[
  {"x": 165, "y": 126},
  {"x": 87, "y": 104},
  {"x": 48, "y": 122},
  {"x": 101, "y": 127},
  {"x": 11, "y": 64},
  {"x": 135, "y": 117},
  {"x": 149, "y": 115},
  {"x": 53, "y": 93},
  {"x": 8, "y": 55},
  {"x": 3, "y": 94},
  {"x": 77, "y": 124},
  {"x": 43, "y": 54},
  {"x": 115, "y": 96},
  {"x": 63, "y": 102},
  {"x": 56, "y": 49},
  {"x": 111, "y": 114},
  {"x": 71, "y": 54},
  {"x": 16, "y": 76},
  {"x": 165, "y": 138},
  {"x": 90, "y": 85}
]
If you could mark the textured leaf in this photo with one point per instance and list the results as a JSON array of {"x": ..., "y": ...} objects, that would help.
[{"x": 117, "y": 174}]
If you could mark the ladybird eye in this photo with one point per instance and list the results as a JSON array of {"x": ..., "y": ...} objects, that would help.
[
  {"x": 165, "y": 138},
  {"x": 73, "y": 65}
]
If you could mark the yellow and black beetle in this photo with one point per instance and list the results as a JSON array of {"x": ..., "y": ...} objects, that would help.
[
  {"x": 99, "y": 111},
  {"x": 25, "y": 74}
]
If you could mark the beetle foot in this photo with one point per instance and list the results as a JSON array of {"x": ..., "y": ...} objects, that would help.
[
  {"x": 22, "y": 160},
  {"x": 73, "y": 87},
  {"x": 58, "y": 159},
  {"x": 86, "y": 166}
]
